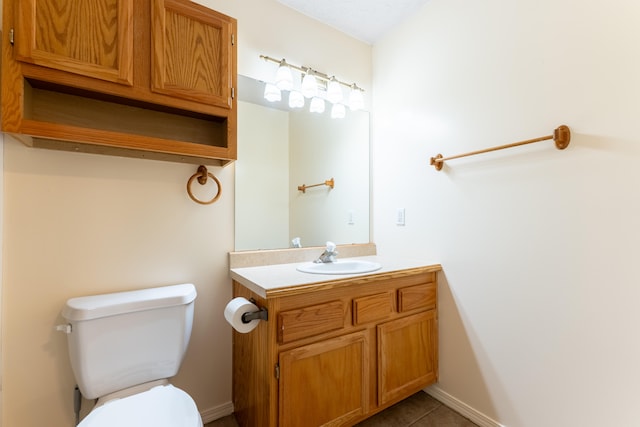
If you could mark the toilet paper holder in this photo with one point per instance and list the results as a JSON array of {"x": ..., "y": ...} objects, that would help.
[{"x": 261, "y": 314}]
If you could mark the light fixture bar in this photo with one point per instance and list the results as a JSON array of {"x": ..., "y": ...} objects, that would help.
[{"x": 303, "y": 69}]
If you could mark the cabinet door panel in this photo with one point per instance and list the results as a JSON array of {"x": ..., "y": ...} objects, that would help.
[
  {"x": 192, "y": 52},
  {"x": 407, "y": 355},
  {"x": 326, "y": 383},
  {"x": 90, "y": 38}
]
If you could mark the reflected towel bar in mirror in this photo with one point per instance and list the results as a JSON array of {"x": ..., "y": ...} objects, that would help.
[
  {"x": 561, "y": 136},
  {"x": 329, "y": 183}
]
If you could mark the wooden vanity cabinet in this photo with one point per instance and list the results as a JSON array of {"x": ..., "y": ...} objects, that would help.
[
  {"x": 336, "y": 353},
  {"x": 143, "y": 78}
]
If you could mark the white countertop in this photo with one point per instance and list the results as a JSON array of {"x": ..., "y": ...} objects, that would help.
[{"x": 264, "y": 279}]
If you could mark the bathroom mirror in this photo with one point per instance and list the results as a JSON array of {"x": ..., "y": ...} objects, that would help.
[{"x": 280, "y": 149}]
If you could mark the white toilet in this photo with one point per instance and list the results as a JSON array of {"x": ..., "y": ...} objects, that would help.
[{"x": 123, "y": 348}]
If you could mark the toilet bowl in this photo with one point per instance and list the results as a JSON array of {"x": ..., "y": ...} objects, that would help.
[
  {"x": 160, "y": 406},
  {"x": 123, "y": 349}
]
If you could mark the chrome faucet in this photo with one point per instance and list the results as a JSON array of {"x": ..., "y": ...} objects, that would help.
[{"x": 329, "y": 254}]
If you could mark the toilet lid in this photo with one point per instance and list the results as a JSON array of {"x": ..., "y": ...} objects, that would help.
[{"x": 162, "y": 406}]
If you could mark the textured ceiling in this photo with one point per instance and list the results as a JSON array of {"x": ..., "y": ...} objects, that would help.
[{"x": 366, "y": 20}]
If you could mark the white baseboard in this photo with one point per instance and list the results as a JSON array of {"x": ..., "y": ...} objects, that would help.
[
  {"x": 216, "y": 412},
  {"x": 462, "y": 408}
]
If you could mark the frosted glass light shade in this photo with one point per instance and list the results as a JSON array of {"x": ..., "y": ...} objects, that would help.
[
  {"x": 284, "y": 78},
  {"x": 356, "y": 101},
  {"x": 272, "y": 93},
  {"x": 309, "y": 86},
  {"x": 296, "y": 100},
  {"x": 338, "y": 111},
  {"x": 317, "y": 105},
  {"x": 334, "y": 91}
]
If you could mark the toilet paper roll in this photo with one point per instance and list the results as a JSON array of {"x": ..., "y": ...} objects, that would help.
[{"x": 233, "y": 313}]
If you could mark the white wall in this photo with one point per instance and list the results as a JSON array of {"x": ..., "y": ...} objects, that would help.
[
  {"x": 1, "y": 245},
  {"x": 539, "y": 317},
  {"x": 1, "y": 248},
  {"x": 323, "y": 148},
  {"x": 267, "y": 27},
  {"x": 77, "y": 224},
  {"x": 262, "y": 178}
]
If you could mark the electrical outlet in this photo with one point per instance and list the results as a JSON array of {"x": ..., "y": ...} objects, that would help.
[
  {"x": 350, "y": 220},
  {"x": 400, "y": 220}
]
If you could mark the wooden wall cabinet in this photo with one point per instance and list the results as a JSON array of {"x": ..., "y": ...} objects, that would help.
[
  {"x": 93, "y": 39},
  {"x": 143, "y": 78},
  {"x": 336, "y": 353}
]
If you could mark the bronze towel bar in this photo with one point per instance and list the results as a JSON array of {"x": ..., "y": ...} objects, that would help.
[
  {"x": 561, "y": 136},
  {"x": 328, "y": 183}
]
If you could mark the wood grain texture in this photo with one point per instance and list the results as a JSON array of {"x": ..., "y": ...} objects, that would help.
[
  {"x": 91, "y": 38},
  {"x": 419, "y": 296},
  {"x": 309, "y": 321},
  {"x": 81, "y": 111},
  {"x": 191, "y": 53},
  {"x": 326, "y": 383},
  {"x": 407, "y": 356},
  {"x": 72, "y": 81},
  {"x": 316, "y": 362},
  {"x": 13, "y": 99},
  {"x": 373, "y": 307},
  {"x": 253, "y": 370}
]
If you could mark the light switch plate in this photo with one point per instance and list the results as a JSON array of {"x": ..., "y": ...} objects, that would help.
[{"x": 400, "y": 217}]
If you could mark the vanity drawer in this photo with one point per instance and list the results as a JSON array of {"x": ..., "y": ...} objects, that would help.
[
  {"x": 309, "y": 321},
  {"x": 419, "y": 296},
  {"x": 372, "y": 307}
]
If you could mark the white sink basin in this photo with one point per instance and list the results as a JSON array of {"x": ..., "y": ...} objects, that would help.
[{"x": 340, "y": 267}]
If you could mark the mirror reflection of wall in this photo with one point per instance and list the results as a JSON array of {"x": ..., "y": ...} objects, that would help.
[{"x": 278, "y": 150}]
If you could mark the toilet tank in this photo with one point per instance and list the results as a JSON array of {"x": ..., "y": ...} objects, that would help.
[{"x": 124, "y": 339}]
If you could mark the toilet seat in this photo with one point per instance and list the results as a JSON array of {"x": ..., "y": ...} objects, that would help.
[{"x": 161, "y": 406}]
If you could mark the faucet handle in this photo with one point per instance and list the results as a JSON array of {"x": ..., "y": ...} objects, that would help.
[{"x": 331, "y": 247}]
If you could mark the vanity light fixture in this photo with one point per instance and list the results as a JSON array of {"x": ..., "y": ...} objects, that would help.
[
  {"x": 317, "y": 105},
  {"x": 338, "y": 111},
  {"x": 334, "y": 91},
  {"x": 314, "y": 85},
  {"x": 296, "y": 99},
  {"x": 272, "y": 93},
  {"x": 284, "y": 77},
  {"x": 309, "y": 85}
]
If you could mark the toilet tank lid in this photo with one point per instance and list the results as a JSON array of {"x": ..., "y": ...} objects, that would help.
[{"x": 96, "y": 306}]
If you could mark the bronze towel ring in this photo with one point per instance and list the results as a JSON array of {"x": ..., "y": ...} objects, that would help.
[{"x": 202, "y": 175}]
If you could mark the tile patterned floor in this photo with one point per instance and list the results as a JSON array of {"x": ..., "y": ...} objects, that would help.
[{"x": 419, "y": 410}]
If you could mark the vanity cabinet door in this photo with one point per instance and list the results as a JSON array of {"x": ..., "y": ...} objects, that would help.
[
  {"x": 407, "y": 355},
  {"x": 325, "y": 383},
  {"x": 90, "y": 38},
  {"x": 192, "y": 52}
]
